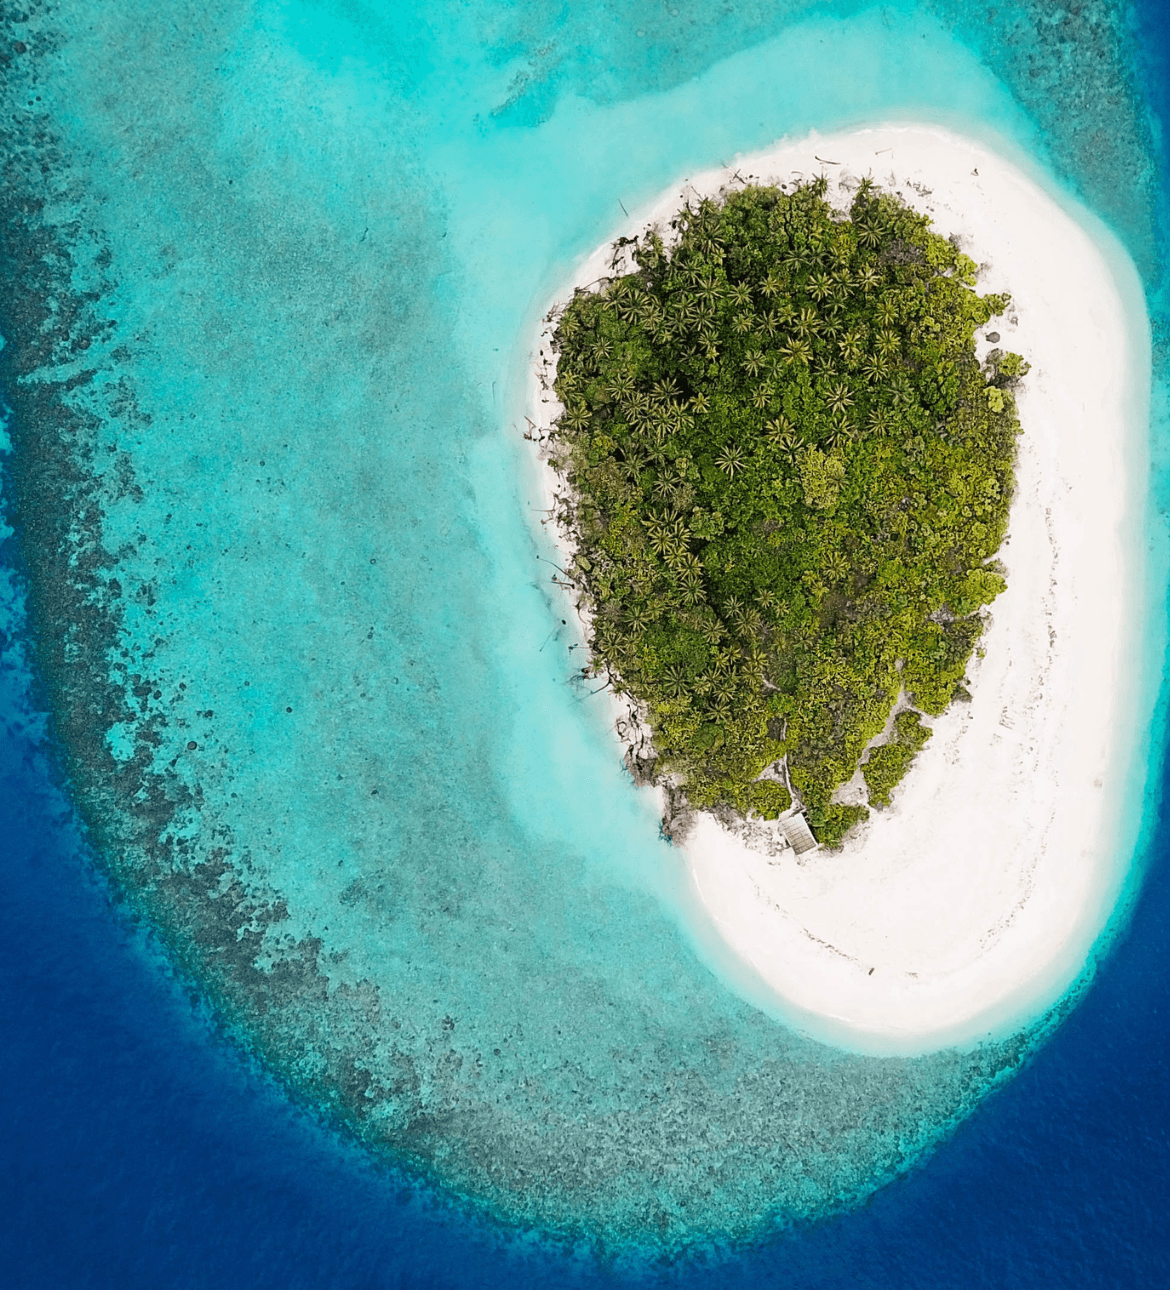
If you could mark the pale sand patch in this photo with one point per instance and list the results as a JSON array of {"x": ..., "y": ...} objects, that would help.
[{"x": 972, "y": 903}]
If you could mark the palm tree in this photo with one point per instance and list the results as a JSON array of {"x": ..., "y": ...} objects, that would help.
[
  {"x": 724, "y": 692},
  {"x": 752, "y": 361},
  {"x": 712, "y": 630},
  {"x": 679, "y": 532},
  {"x": 676, "y": 558},
  {"x": 629, "y": 305},
  {"x": 649, "y": 252},
  {"x": 850, "y": 347},
  {"x": 839, "y": 398},
  {"x": 700, "y": 404},
  {"x": 754, "y": 662},
  {"x": 633, "y": 465},
  {"x": 639, "y": 421},
  {"x": 675, "y": 682},
  {"x": 730, "y": 460},
  {"x": 638, "y": 619},
  {"x": 839, "y": 292},
  {"x": 879, "y": 420},
  {"x": 834, "y": 567},
  {"x": 820, "y": 286},
  {"x": 887, "y": 342},
  {"x": 641, "y": 407},
  {"x": 709, "y": 291},
  {"x": 789, "y": 447},
  {"x": 660, "y": 539},
  {"x": 806, "y": 322},
  {"x": 761, "y": 397},
  {"x": 692, "y": 566},
  {"x": 649, "y": 314},
  {"x": 869, "y": 231},
  {"x": 692, "y": 592},
  {"x": 723, "y": 657}
]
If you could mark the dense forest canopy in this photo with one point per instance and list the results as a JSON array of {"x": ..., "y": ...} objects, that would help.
[{"x": 788, "y": 476}]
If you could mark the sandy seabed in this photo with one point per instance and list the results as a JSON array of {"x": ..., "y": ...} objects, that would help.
[{"x": 972, "y": 903}]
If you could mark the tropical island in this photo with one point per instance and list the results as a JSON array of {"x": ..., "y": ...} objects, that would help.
[
  {"x": 978, "y": 897},
  {"x": 788, "y": 477}
]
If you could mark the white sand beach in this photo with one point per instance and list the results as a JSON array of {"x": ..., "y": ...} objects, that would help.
[{"x": 974, "y": 901}]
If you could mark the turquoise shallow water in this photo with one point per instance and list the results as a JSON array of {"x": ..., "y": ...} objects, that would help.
[{"x": 267, "y": 330}]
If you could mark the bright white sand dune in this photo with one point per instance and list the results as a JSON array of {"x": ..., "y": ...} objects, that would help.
[{"x": 974, "y": 901}]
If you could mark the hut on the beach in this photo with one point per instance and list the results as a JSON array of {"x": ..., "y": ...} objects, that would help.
[{"x": 798, "y": 834}]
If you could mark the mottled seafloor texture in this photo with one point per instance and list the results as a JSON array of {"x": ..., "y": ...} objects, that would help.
[{"x": 269, "y": 274}]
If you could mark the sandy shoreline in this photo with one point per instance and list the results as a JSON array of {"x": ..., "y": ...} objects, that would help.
[{"x": 973, "y": 902}]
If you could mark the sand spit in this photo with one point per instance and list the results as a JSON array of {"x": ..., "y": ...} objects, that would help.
[{"x": 973, "y": 902}]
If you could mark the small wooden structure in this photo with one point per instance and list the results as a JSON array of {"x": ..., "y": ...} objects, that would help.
[{"x": 798, "y": 834}]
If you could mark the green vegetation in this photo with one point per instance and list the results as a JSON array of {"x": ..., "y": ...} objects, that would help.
[
  {"x": 890, "y": 761},
  {"x": 789, "y": 476}
]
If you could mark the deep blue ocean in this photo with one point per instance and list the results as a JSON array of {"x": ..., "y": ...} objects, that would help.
[{"x": 155, "y": 1133}]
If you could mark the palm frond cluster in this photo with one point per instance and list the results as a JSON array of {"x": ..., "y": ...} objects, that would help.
[{"x": 789, "y": 477}]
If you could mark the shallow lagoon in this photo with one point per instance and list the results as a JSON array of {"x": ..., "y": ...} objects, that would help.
[{"x": 302, "y": 432}]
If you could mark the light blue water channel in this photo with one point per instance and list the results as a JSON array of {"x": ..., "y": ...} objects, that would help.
[{"x": 320, "y": 703}]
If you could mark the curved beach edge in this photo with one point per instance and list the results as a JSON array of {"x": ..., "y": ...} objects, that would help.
[{"x": 967, "y": 909}]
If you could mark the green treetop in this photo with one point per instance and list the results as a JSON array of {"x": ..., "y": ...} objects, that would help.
[{"x": 788, "y": 478}]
